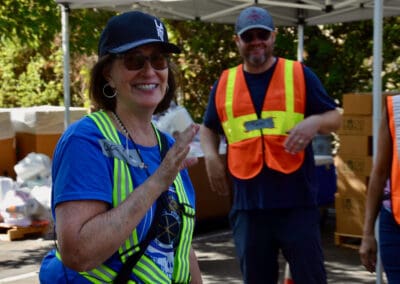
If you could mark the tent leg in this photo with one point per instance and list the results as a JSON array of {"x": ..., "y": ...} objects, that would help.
[
  {"x": 65, "y": 44},
  {"x": 300, "y": 44},
  {"x": 377, "y": 104}
]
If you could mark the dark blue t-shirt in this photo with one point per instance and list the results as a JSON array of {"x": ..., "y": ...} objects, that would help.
[{"x": 270, "y": 188}]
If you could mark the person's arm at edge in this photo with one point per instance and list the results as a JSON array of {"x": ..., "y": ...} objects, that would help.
[{"x": 379, "y": 175}]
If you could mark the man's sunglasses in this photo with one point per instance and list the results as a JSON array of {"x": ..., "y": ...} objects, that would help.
[
  {"x": 136, "y": 61},
  {"x": 249, "y": 36}
]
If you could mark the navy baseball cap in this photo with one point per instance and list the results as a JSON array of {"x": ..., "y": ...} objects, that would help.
[
  {"x": 254, "y": 18},
  {"x": 132, "y": 29}
]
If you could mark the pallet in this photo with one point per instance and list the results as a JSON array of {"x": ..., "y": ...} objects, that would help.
[
  {"x": 348, "y": 240},
  {"x": 12, "y": 233}
]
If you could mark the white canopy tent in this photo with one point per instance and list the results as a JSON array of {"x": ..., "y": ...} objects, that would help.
[{"x": 285, "y": 13}]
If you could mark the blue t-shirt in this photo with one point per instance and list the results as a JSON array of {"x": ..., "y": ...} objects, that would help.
[
  {"x": 272, "y": 189},
  {"x": 82, "y": 169}
]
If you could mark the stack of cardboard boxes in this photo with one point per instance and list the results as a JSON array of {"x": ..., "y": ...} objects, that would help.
[
  {"x": 31, "y": 129},
  {"x": 353, "y": 164},
  {"x": 37, "y": 129}
]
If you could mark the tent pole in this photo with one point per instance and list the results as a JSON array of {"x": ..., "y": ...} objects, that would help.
[
  {"x": 377, "y": 103},
  {"x": 65, "y": 45},
  {"x": 300, "y": 44}
]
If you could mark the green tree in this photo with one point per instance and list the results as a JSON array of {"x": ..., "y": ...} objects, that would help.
[
  {"x": 31, "y": 58},
  {"x": 208, "y": 48},
  {"x": 31, "y": 54},
  {"x": 34, "y": 23},
  {"x": 29, "y": 78}
]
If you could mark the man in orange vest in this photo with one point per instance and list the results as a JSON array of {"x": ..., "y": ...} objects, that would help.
[
  {"x": 269, "y": 109},
  {"x": 383, "y": 197}
]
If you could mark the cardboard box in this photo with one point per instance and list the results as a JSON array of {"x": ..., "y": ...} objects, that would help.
[
  {"x": 357, "y": 103},
  {"x": 209, "y": 204},
  {"x": 7, "y": 145},
  {"x": 356, "y": 125},
  {"x": 39, "y": 128},
  {"x": 35, "y": 143},
  {"x": 359, "y": 145},
  {"x": 348, "y": 183},
  {"x": 44, "y": 119},
  {"x": 362, "y": 103},
  {"x": 359, "y": 165},
  {"x": 8, "y": 157},
  {"x": 350, "y": 214},
  {"x": 6, "y": 127}
]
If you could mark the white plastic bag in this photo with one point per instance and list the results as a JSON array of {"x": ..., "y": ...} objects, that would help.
[
  {"x": 176, "y": 118},
  {"x": 34, "y": 167}
]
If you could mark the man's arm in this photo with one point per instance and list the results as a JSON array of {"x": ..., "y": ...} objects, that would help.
[
  {"x": 215, "y": 164},
  {"x": 302, "y": 134}
]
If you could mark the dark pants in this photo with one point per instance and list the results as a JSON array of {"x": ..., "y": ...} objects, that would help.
[
  {"x": 389, "y": 245},
  {"x": 260, "y": 235}
]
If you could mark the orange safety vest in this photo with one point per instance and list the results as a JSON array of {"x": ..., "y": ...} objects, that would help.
[
  {"x": 393, "y": 110},
  {"x": 283, "y": 107}
]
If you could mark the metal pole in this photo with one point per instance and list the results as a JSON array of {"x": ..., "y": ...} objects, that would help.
[
  {"x": 65, "y": 46},
  {"x": 377, "y": 104},
  {"x": 300, "y": 45}
]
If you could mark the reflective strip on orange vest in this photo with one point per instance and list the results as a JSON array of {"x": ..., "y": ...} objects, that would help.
[{"x": 284, "y": 104}]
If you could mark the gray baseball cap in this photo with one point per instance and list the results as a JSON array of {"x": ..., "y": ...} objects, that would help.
[{"x": 254, "y": 18}]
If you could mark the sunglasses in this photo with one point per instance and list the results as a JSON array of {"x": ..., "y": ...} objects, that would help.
[
  {"x": 136, "y": 61},
  {"x": 249, "y": 36}
]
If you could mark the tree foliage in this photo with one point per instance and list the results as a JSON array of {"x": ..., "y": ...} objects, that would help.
[
  {"x": 31, "y": 56},
  {"x": 208, "y": 49},
  {"x": 31, "y": 52}
]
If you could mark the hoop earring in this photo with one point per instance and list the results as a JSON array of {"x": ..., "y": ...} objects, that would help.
[{"x": 105, "y": 93}]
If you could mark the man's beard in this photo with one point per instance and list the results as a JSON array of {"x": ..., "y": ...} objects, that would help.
[{"x": 257, "y": 60}]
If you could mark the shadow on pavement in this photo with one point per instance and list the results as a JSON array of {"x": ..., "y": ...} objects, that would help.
[
  {"x": 215, "y": 251},
  {"x": 217, "y": 257}
]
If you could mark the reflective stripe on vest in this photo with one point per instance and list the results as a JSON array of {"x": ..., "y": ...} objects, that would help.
[
  {"x": 181, "y": 272},
  {"x": 146, "y": 270},
  {"x": 284, "y": 106},
  {"x": 393, "y": 110}
]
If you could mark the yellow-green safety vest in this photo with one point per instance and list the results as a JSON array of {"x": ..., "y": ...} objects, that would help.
[{"x": 146, "y": 270}]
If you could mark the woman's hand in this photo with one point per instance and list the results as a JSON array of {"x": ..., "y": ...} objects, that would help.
[{"x": 175, "y": 159}]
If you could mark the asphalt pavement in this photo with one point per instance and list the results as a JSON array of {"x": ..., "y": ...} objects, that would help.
[{"x": 20, "y": 260}]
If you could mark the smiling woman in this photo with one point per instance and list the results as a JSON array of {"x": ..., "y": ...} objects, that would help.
[{"x": 119, "y": 182}]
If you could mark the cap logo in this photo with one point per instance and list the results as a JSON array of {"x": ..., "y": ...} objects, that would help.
[
  {"x": 160, "y": 30},
  {"x": 254, "y": 16}
]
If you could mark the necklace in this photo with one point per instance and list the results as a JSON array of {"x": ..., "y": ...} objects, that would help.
[{"x": 128, "y": 136}]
